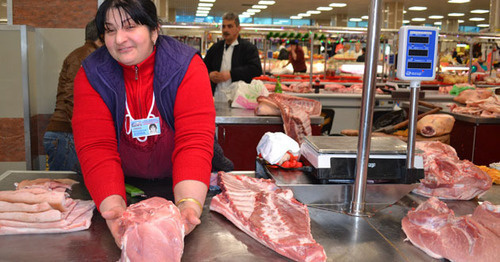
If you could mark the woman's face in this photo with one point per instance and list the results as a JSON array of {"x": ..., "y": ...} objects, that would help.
[{"x": 127, "y": 42}]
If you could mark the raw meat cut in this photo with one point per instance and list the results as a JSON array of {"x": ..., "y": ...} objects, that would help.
[
  {"x": 448, "y": 177},
  {"x": 77, "y": 218},
  {"x": 22, "y": 207},
  {"x": 433, "y": 228},
  {"x": 472, "y": 95},
  {"x": 435, "y": 125},
  {"x": 47, "y": 183},
  {"x": 152, "y": 230},
  {"x": 295, "y": 112},
  {"x": 45, "y": 216},
  {"x": 268, "y": 214},
  {"x": 56, "y": 200}
]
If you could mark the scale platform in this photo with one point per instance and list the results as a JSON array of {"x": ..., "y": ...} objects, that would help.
[{"x": 334, "y": 160}]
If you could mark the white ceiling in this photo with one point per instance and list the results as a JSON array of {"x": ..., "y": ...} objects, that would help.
[{"x": 354, "y": 8}]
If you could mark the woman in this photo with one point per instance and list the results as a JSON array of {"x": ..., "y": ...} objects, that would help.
[
  {"x": 137, "y": 78},
  {"x": 296, "y": 57}
]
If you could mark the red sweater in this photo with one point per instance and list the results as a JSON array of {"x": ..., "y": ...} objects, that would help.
[{"x": 95, "y": 137}]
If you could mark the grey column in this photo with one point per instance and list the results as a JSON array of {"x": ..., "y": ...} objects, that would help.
[{"x": 495, "y": 16}]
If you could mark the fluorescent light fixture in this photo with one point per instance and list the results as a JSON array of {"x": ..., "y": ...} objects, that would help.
[
  {"x": 206, "y": 4},
  {"x": 267, "y": 2},
  {"x": 461, "y": 45},
  {"x": 438, "y": 23},
  {"x": 251, "y": 10},
  {"x": 364, "y": 17},
  {"x": 337, "y": 4},
  {"x": 404, "y": 11},
  {"x": 259, "y": 6},
  {"x": 418, "y": 19},
  {"x": 480, "y": 11},
  {"x": 453, "y": 68},
  {"x": 460, "y": 21},
  {"x": 417, "y": 8},
  {"x": 406, "y": 21},
  {"x": 203, "y": 8},
  {"x": 436, "y": 17},
  {"x": 324, "y": 8},
  {"x": 295, "y": 17},
  {"x": 244, "y": 16},
  {"x": 355, "y": 19},
  {"x": 483, "y": 25},
  {"x": 456, "y": 14},
  {"x": 208, "y": 1},
  {"x": 458, "y": 1},
  {"x": 198, "y": 14},
  {"x": 202, "y": 12},
  {"x": 313, "y": 12},
  {"x": 304, "y": 14},
  {"x": 476, "y": 19}
]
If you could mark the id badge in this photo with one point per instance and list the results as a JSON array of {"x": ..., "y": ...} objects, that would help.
[{"x": 145, "y": 127}]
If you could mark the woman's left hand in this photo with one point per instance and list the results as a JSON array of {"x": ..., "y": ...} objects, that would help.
[{"x": 190, "y": 213}]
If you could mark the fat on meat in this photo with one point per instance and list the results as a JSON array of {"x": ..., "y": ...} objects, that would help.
[
  {"x": 76, "y": 218},
  {"x": 295, "y": 112},
  {"x": 448, "y": 177},
  {"x": 269, "y": 215},
  {"x": 56, "y": 199},
  {"x": 62, "y": 184},
  {"x": 472, "y": 95},
  {"x": 435, "y": 125},
  {"x": 22, "y": 207},
  {"x": 434, "y": 229},
  {"x": 152, "y": 230}
]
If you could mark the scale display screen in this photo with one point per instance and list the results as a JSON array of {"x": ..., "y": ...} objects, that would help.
[{"x": 417, "y": 53}]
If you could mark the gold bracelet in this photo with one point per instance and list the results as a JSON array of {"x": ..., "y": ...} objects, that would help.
[{"x": 189, "y": 199}]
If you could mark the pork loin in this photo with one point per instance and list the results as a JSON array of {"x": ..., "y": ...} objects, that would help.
[
  {"x": 433, "y": 228},
  {"x": 435, "y": 125},
  {"x": 268, "y": 214}
]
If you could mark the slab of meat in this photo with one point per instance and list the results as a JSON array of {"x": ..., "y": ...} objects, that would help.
[
  {"x": 268, "y": 214},
  {"x": 448, "y": 177},
  {"x": 47, "y": 183},
  {"x": 77, "y": 218},
  {"x": 472, "y": 95},
  {"x": 295, "y": 112},
  {"x": 56, "y": 199},
  {"x": 435, "y": 125},
  {"x": 22, "y": 207},
  {"x": 152, "y": 230},
  {"x": 434, "y": 228}
]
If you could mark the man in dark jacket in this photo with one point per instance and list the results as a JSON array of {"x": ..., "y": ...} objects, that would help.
[
  {"x": 233, "y": 59},
  {"x": 58, "y": 138}
]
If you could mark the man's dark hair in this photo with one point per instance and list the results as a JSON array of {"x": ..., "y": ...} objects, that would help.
[
  {"x": 231, "y": 16},
  {"x": 91, "y": 31}
]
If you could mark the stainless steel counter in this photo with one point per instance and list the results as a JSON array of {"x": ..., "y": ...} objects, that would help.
[
  {"x": 228, "y": 115},
  {"x": 345, "y": 238}
]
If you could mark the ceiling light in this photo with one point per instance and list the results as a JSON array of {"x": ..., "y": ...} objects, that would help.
[
  {"x": 404, "y": 12},
  {"x": 480, "y": 11},
  {"x": 406, "y": 21},
  {"x": 436, "y": 17},
  {"x": 461, "y": 45},
  {"x": 202, "y": 12},
  {"x": 314, "y": 12},
  {"x": 244, "y": 16},
  {"x": 209, "y": 1},
  {"x": 295, "y": 17},
  {"x": 456, "y": 14},
  {"x": 460, "y": 21},
  {"x": 204, "y": 8},
  {"x": 364, "y": 17},
  {"x": 198, "y": 14},
  {"x": 337, "y": 4},
  {"x": 304, "y": 14},
  {"x": 418, "y": 19},
  {"x": 477, "y": 19},
  {"x": 355, "y": 19},
  {"x": 246, "y": 13},
  {"x": 267, "y": 2},
  {"x": 259, "y": 6},
  {"x": 438, "y": 23},
  {"x": 483, "y": 25},
  {"x": 417, "y": 8},
  {"x": 206, "y": 4},
  {"x": 324, "y": 8},
  {"x": 254, "y": 10},
  {"x": 458, "y": 1}
]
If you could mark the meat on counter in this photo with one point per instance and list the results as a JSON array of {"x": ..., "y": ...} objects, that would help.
[{"x": 435, "y": 125}]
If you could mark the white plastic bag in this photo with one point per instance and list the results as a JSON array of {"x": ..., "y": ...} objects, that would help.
[
  {"x": 273, "y": 146},
  {"x": 246, "y": 94}
]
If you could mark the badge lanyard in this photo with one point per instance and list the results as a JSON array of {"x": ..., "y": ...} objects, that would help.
[{"x": 142, "y": 128}]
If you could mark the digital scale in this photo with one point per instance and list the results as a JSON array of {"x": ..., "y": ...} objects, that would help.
[{"x": 334, "y": 159}]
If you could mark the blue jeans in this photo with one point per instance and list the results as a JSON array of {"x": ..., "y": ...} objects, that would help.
[{"x": 60, "y": 148}]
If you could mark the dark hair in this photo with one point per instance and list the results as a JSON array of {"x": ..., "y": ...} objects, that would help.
[
  {"x": 91, "y": 31},
  {"x": 231, "y": 16},
  {"x": 143, "y": 12},
  {"x": 152, "y": 125}
]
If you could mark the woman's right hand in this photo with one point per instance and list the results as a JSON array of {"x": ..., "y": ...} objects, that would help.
[{"x": 112, "y": 209}]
